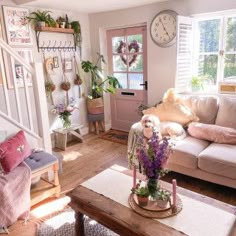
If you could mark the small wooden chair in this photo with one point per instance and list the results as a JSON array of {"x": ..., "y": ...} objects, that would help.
[
  {"x": 96, "y": 122},
  {"x": 41, "y": 163}
]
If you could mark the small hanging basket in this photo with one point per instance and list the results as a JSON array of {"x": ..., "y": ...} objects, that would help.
[
  {"x": 65, "y": 85},
  {"x": 49, "y": 86},
  {"x": 78, "y": 80}
]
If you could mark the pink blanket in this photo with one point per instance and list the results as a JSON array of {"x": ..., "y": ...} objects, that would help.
[{"x": 15, "y": 195}]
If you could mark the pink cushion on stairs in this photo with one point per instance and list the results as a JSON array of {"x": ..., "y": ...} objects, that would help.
[{"x": 13, "y": 151}]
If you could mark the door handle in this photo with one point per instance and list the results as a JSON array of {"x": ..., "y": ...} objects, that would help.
[{"x": 145, "y": 84}]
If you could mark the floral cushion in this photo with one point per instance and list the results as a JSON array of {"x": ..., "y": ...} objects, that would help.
[{"x": 13, "y": 151}]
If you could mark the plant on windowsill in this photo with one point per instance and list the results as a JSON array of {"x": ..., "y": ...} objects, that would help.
[{"x": 99, "y": 85}]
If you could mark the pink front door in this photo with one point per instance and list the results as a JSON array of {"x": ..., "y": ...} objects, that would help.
[{"x": 127, "y": 56}]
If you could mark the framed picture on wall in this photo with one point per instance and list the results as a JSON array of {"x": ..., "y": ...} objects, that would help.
[
  {"x": 18, "y": 29},
  {"x": 17, "y": 71}
]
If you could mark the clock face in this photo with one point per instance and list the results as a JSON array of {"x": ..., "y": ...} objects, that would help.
[{"x": 163, "y": 28}]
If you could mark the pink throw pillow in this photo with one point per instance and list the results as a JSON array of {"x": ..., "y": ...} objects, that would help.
[
  {"x": 213, "y": 133},
  {"x": 13, "y": 151}
]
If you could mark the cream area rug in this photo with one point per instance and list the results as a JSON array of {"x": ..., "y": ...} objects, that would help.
[{"x": 63, "y": 224}]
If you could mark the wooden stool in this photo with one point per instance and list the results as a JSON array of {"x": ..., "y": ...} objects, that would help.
[{"x": 95, "y": 121}]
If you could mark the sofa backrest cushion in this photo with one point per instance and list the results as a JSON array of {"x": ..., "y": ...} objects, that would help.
[
  {"x": 227, "y": 113},
  {"x": 212, "y": 133},
  {"x": 13, "y": 151},
  {"x": 205, "y": 107}
]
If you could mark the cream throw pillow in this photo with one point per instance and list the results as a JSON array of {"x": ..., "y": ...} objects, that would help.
[{"x": 175, "y": 112}]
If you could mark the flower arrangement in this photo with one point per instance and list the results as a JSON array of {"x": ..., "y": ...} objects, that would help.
[
  {"x": 64, "y": 111},
  {"x": 153, "y": 154}
]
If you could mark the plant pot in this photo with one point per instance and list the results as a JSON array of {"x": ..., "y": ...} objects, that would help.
[
  {"x": 78, "y": 80},
  {"x": 95, "y": 106},
  {"x": 162, "y": 203},
  {"x": 65, "y": 86},
  {"x": 41, "y": 24},
  {"x": 62, "y": 25},
  {"x": 142, "y": 201}
]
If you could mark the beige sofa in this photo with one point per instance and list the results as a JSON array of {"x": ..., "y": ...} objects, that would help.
[
  {"x": 202, "y": 159},
  {"x": 198, "y": 158}
]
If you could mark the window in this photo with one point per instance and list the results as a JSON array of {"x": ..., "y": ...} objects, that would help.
[
  {"x": 206, "y": 53},
  {"x": 128, "y": 55}
]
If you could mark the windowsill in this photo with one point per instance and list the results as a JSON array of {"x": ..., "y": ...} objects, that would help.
[{"x": 209, "y": 94}]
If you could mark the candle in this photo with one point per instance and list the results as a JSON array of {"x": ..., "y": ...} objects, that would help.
[
  {"x": 174, "y": 185},
  {"x": 134, "y": 176}
]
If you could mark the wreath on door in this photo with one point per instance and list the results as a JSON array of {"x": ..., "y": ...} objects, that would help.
[{"x": 133, "y": 47}]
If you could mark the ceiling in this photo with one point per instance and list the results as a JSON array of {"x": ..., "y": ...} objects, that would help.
[{"x": 87, "y": 6}]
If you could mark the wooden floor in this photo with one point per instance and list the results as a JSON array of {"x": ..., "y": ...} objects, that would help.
[{"x": 84, "y": 160}]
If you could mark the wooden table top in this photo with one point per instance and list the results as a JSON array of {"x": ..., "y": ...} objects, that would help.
[{"x": 124, "y": 220}]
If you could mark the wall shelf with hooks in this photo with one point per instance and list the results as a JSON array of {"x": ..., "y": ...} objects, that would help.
[{"x": 55, "y": 46}]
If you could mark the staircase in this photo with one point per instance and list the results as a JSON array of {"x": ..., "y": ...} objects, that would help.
[{"x": 23, "y": 104}]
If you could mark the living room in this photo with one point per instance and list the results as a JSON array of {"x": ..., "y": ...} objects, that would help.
[{"x": 52, "y": 57}]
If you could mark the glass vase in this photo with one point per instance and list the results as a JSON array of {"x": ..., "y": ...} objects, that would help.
[
  {"x": 66, "y": 122},
  {"x": 152, "y": 185}
]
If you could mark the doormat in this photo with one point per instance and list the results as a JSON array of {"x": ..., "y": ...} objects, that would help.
[
  {"x": 116, "y": 136},
  {"x": 64, "y": 223}
]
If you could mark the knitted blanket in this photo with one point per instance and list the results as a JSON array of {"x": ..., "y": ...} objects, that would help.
[{"x": 15, "y": 195}]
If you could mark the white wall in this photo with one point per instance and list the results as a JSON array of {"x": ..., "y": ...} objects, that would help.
[
  {"x": 78, "y": 116},
  {"x": 161, "y": 61}
]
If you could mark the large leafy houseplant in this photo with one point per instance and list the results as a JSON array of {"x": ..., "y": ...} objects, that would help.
[
  {"x": 99, "y": 83},
  {"x": 41, "y": 16}
]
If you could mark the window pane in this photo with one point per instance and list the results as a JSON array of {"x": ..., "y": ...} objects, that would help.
[
  {"x": 207, "y": 67},
  {"x": 119, "y": 63},
  {"x": 122, "y": 77},
  {"x": 116, "y": 43},
  {"x": 230, "y": 68},
  {"x": 135, "y": 63},
  {"x": 135, "y": 42},
  {"x": 209, "y": 31},
  {"x": 135, "y": 80},
  {"x": 231, "y": 35}
]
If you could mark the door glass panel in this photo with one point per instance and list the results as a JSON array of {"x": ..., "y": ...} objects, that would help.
[
  {"x": 116, "y": 43},
  {"x": 135, "y": 80},
  {"x": 134, "y": 42},
  {"x": 230, "y": 68},
  {"x": 231, "y": 35},
  {"x": 135, "y": 63},
  {"x": 119, "y": 63},
  {"x": 122, "y": 77},
  {"x": 207, "y": 67},
  {"x": 209, "y": 32}
]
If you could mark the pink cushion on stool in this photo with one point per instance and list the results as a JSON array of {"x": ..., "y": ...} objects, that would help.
[{"x": 13, "y": 151}]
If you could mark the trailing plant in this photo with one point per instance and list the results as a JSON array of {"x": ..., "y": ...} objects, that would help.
[
  {"x": 75, "y": 25},
  {"x": 99, "y": 82}
]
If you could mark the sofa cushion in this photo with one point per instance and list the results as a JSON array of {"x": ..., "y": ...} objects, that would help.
[
  {"x": 226, "y": 113},
  {"x": 175, "y": 112},
  {"x": 213, "y": 133},
  {"x": 186, "y": 151},
  {"x": 219, "y": 159},
  {"x": 13, "y": 151},
  {"x": 205, "y": 107}
]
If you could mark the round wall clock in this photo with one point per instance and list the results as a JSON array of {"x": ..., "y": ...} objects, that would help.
[{"x": 163, "y": 28}]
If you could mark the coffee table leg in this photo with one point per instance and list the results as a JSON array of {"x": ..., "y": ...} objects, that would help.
[{"x": 79, "y": 224}]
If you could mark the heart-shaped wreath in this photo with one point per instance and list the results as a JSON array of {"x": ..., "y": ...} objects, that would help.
[{"x": 132, "y": 47}]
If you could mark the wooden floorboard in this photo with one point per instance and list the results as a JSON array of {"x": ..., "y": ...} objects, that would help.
[{"x": 83, "y": 160}]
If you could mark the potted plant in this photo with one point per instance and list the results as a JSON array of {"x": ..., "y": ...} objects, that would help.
[
  {"x": 142, "y": 195},
  {"x": 162, "y": 198},
  {"x": 61, "y": 21},
  {"x": 39, "y": 18},
  {"x": 99, "y": 85},
  {"x": 65, "y": 85},
  {"x": 75, "y": 25}
]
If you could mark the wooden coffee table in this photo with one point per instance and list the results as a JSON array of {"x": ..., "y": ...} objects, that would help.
[{"x": 123, "y": 220}]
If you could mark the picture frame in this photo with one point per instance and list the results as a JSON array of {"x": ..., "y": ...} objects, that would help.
[
  {"x": 18, "y": 30},
  {"x": 17, "y": 71},
  {"x": 68, "y": 65},
  {"x": 55, "y": 62}
]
